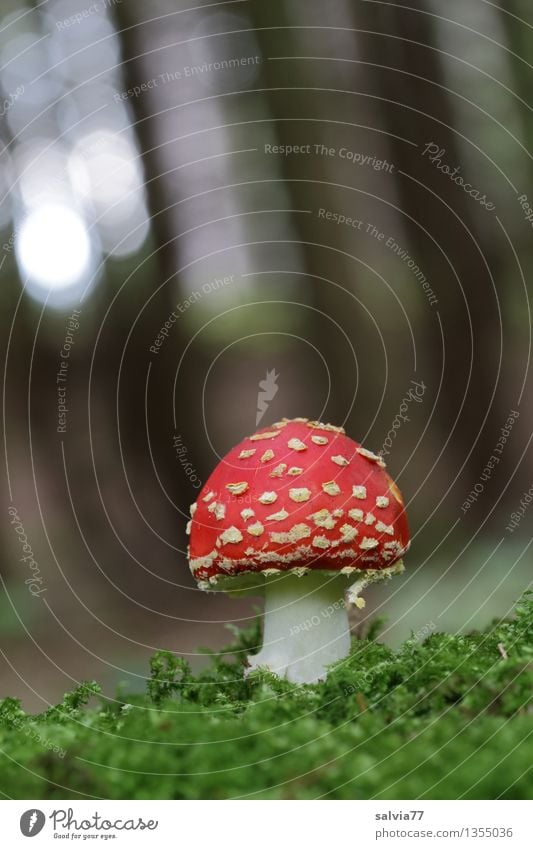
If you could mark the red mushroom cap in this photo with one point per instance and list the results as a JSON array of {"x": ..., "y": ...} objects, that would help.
[{"x": 296, "y": 496}]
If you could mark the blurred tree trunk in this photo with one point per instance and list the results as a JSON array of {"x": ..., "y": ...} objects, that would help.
[
  {"x": 146, "y": 55},
  {"x": 415, "y": 106},
  {"x": 136, "y": 68},
  {"x": 311, "y": 189},
  {"x": 520, "y": 43}
]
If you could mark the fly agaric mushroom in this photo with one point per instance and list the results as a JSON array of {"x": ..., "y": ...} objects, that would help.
[{"x": 296, "y": 512}]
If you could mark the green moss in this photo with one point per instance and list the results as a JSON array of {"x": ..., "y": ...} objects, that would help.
[{"x": 448, "y": 717}]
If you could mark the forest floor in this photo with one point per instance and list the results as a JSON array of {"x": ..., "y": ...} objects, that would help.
[{"x": 445, "y": 718}]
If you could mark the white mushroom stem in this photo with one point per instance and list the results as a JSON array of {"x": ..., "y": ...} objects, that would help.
[{"x": 305, "y": 626}]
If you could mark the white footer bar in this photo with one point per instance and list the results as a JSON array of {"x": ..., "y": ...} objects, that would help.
[{"x": 268, "y": 824}]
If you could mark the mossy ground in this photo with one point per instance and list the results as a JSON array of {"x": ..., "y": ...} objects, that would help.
[{"x": 450, "y": 717}]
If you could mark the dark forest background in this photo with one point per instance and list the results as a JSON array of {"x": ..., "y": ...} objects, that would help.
[{"x": 154, "y": 126}]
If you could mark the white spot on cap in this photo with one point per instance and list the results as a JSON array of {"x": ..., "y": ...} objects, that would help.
[
  {"x": 256, "y": 529},
  {"x": 347, "y": 553},
  {"x": 277, "y": 471},
  {"x": 299, "y": 531},
  {"x": 296, "y": 533},
  {"x": 382, "y": 501},
  {"x": 321, "y": 542},
  {"x": 368, "y": 542},
  {"x": 279, "y": 537},
  {"x": 231, "y": 534},
  {"x": 237, "y": 488},
  {"x": 320, "y": 440},
  {"x": 204, "y": 562},
  {"x": 364, "y": 452},
  {"x": 322, "y": 426},
  {"x": 393, "y": 545},
  {"x": 384, "y": 529},
  {"x": 188, "y": 528},
  {"x": 268, "y": 497},
  {"x": 370, "y": 519},
  {"x": 300, "y": 494},
  {"x": 359, "y": 491},
  {"x": 297, "y": 444},
  {"x": 277, "y": 517},
  {"x": 247, "y": 452},
  {"x": 323, "y": 519},
  {"x": 268, "y": 455},
  {"x": 356, "y": 514},
  {"x": 218, "y": 509},
  {"x": 340, "y": 460},
  {"x": 331, "y": 488},
  {"x": 338, "y": 513},
  {"x": 193, "y": 508},
  {"x": 208, "y": 496},
  {"x": 295, "y": 470},
  {"x": 247, "y": 513},
  {"x": 270, "y": 434},
  {"x": 348, "y": 533}
]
